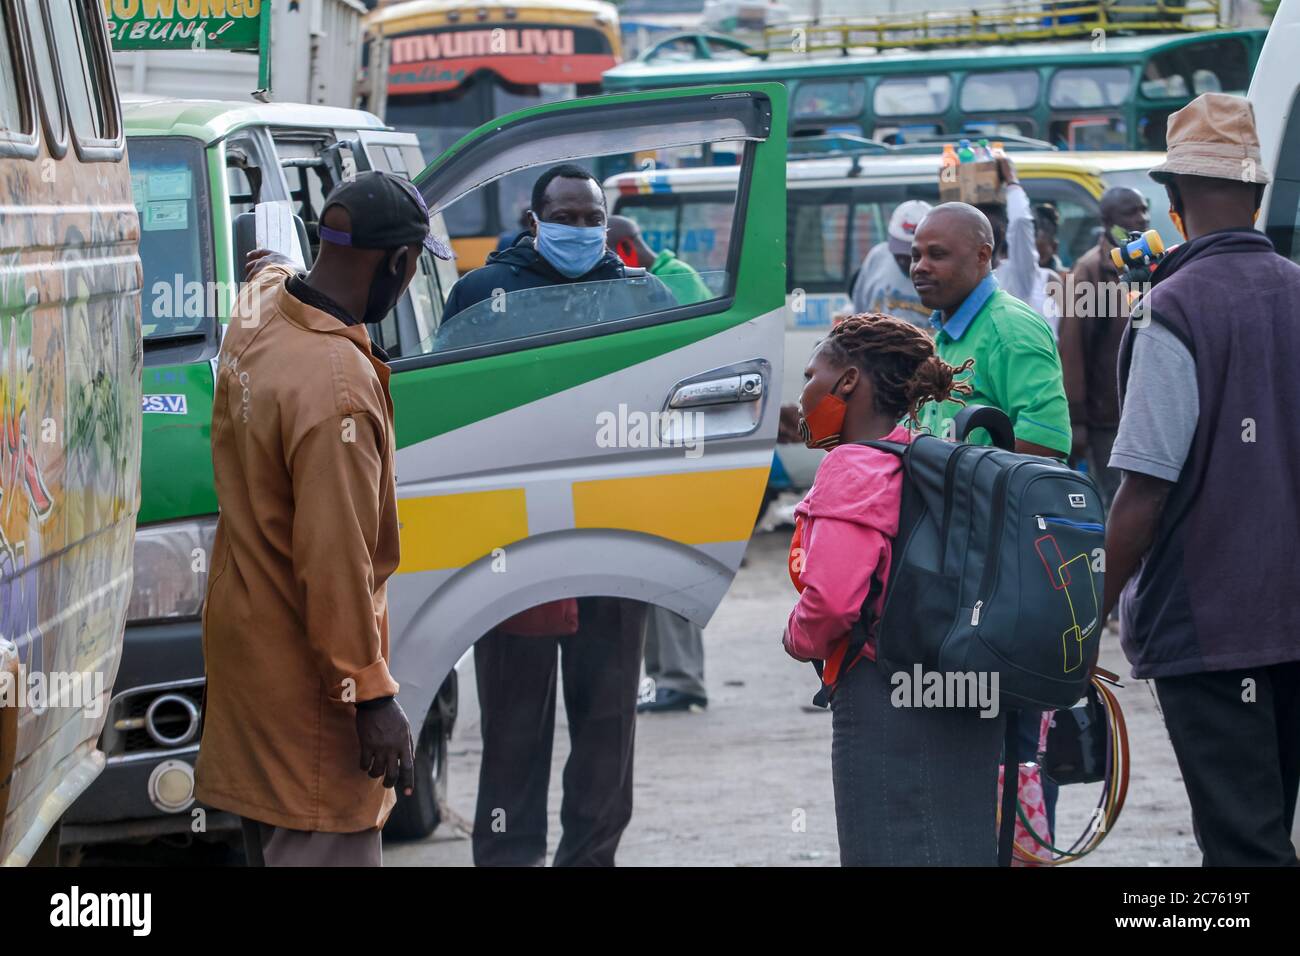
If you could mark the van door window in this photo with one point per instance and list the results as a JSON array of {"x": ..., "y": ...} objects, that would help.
[{"x": 686, "y": 257}]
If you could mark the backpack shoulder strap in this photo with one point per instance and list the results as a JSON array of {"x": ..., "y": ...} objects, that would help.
[
  {"x": 892, "y": 447},
  {"x": 858, "y": 637}
]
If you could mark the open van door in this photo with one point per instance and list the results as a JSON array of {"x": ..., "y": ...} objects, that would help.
[{"x": 590, "y": 439}]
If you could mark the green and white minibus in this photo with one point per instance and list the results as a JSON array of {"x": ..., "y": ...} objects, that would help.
[{"x": 589, "y": 439}]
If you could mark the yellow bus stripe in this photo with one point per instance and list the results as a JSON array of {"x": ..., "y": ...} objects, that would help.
[
  {"x": 450, "y": 531},
  {"x": 692, "y": 507}
]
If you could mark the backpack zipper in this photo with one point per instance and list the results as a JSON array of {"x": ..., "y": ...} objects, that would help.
[
  {"x": 1044, "y": 520},
  {"x": 975, "y": 613}
]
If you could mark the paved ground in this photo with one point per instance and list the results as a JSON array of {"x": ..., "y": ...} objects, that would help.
[{"x": 724, "y": 787}]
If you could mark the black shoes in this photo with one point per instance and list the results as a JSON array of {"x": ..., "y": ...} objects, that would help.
[{"x": 662, "y": 700}]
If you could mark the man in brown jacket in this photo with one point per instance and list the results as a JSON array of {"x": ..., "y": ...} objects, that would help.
[
  {"x": 1092, "y": 324},
  {"x": 301, "y": 722}
]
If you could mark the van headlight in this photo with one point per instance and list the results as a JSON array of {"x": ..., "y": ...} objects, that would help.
[{"x": 171, "y": 570}]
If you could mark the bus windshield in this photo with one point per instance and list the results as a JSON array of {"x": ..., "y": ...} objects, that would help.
[{"x": 171, "y": 198}]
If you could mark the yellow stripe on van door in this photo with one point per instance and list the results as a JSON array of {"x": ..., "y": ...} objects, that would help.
[
  {"x": 692, "y": 507},
  {"x": 450, "y": 531}
]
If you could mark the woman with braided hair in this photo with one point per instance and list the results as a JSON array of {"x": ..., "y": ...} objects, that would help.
[{"x": 913, "y": 786}]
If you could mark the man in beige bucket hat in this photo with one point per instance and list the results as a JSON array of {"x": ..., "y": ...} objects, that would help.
[{"x": 1202, "y": 533}]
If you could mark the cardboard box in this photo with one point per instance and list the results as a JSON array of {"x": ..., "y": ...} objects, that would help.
[{"x": 973, "y": 183}]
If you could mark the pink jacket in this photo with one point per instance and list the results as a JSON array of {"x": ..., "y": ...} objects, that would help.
[{"x": 844, "y": 533}]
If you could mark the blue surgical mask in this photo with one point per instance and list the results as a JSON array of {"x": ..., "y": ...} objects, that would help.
[{"x": 572, "y": 250}]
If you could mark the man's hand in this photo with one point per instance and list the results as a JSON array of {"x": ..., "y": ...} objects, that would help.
[
  {"x": 1007, "y": 171},
  {"x": 385, "y": 738},
  {"x": 259, "y": 259}
]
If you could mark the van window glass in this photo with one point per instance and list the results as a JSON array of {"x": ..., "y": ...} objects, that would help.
[
  {"x": 1219, "y": 66},
  {"x": 1004, "y": 90},
  {"x": 168, "y": 184},
  {"x": 705, "y": 234},
  {"x": 553, "y": 308},
  {"x": 912, "y": 95},
  {"x": 656, "y": 216},
  {"x": 818, "y": 242},
  {"x": 1089, "y": 132},
  {"x": 82, "y": 84},
  {"x": 1088, "y": 88},
  {"x": 439, "y": 120},
  {"x": 686, "y": 255},
  {"x": 11, "y": 103},
  {"x": 830, "y": 99},
  {"x": 48, "y": 85}
]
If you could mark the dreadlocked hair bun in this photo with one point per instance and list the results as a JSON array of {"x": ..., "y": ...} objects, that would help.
[{"x": 900, "y": 359}]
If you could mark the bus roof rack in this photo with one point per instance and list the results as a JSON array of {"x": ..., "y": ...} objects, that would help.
[{"x": 1016, "y": 21}]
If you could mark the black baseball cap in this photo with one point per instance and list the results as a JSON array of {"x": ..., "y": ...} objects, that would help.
[{"x": 386, "y": 212}]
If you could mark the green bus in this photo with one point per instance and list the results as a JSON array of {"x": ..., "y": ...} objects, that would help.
[{"x": 1112, "y": 92}]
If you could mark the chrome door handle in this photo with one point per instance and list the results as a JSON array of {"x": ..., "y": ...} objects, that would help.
[{"x": 746, "y": 387}]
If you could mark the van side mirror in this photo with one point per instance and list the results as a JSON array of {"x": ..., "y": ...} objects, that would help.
[{"x": 245, "y": 240}]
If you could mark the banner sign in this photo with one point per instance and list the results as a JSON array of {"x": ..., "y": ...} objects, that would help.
[
  {"x": 187, "y": 24},
  {"x": 430, "y": 61}
]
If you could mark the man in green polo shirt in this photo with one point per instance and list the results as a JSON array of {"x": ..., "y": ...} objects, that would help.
[
  {"x": 1016, "y": 367},
  {"x": 623, "y": 236}
]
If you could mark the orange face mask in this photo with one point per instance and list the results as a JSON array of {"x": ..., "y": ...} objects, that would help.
[{"x": 822, "y": 427}]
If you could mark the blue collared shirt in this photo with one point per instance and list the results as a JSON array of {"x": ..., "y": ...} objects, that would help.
[{"x": 961, "y": 319}]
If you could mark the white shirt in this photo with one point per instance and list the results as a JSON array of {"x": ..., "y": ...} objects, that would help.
[{"x": 1019, "y": 273}]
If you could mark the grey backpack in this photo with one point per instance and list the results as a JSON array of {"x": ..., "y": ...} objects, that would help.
[{"x": 997, "y": 567}]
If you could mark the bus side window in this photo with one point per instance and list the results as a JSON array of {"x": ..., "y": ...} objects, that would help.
[
  {"x": 84, "y": 65},
  {"x": 56, "y": 131},
  {"x": 17, "y": 120}
]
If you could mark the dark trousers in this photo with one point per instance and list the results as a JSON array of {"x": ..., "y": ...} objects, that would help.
[
  {"x": 516, "y": 679},
  {"x": 913, "y": 786},
  {"x": 1240, "y": 760}
]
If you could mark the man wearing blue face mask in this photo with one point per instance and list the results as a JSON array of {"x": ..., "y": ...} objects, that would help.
[
  {"x": 597, "y": 645},
  {"x": 565, "y": 244}
]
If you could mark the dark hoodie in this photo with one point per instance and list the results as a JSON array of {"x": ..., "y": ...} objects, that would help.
[
  {"x": 1215, "y": 592},
  {"x": 520, "y": 267}
]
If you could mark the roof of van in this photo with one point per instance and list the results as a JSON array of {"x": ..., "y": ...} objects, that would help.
[
  {"x": 211, "y": 120},
  {"x": 1118, "y": 49},
  {"x": 874, "y": 168}
]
